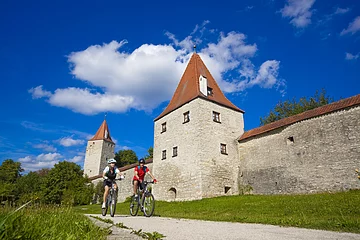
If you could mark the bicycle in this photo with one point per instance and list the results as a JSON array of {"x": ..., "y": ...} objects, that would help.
[
  {"x": 146, "y": 202},
  {"x": 111, "y": 199}
]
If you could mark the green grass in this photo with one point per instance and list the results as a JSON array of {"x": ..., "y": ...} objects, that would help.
[
  {"x": 336, "y": 212},
  {"x": 47, "y": 223}
]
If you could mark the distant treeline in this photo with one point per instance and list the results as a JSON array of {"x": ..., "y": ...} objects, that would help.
[{"x": 63, "y": 184}]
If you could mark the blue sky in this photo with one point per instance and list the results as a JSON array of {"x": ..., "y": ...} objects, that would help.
[{"x": 65, "y": 63}]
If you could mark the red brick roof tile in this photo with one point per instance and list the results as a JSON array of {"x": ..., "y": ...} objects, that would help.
[
  {"x": 188, "y": 88},
  {"x": 103, "y": 133},
  {"x": 326, "y": 109}
]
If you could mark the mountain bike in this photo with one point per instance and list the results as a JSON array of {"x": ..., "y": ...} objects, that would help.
[
  {"x": 111, "y": 200},
  {"x": 145, "y": 201}
]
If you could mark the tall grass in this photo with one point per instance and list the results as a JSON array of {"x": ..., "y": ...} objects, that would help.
[
  {"x": 47, "y": 223},
  {"x": 336, "y": 212}
]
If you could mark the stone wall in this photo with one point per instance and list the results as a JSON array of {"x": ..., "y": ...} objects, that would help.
[
  {"x": 314, "y": 155},
  {"x": 126, "y": 187},
  {"x": 199, "y": 170},
  {"x": 97, "y": 153}
]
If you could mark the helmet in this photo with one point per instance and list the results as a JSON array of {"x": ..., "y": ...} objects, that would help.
[
  {"x": 111, "y": 160},
  {"x": 141, "y": 160}
]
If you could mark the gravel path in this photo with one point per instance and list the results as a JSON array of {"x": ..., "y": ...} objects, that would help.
[{"x": 180, "y": 229}]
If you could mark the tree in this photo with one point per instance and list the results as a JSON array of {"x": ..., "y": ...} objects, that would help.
[
  {"x": 125, "y": 157},
  {"x": 150, "y": 153},
  {"x": 292, "y": 107},
  {"x": 65, "y": 184},
  {"x": 29, "y": 186},
  {"x": 9, "y": 173}
]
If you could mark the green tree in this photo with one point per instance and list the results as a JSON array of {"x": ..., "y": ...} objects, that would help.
[
  {"x": 10, "y": 171},
  {"x": 292, "y": 107},
  {"x": 125, "y": 157},
  {"x": 150, "y": 153},
  {"x": 29, "y": 186},
  {"x": 65, "y": 184}
]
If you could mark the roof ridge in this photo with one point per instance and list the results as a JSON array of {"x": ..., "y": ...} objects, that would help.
[
  {"x": 319, "y": 111},
  {"x": 103, "y": 133},
  {"x": 188, "y": 88}
]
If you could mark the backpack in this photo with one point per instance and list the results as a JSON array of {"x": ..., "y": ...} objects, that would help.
[{"x": 144, "y": 168}]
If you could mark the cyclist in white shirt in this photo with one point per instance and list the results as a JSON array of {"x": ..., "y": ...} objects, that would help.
[{"x": 109, "y": 175}]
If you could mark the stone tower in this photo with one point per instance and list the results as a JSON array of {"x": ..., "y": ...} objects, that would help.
[
  {"x": 195, "y": 148},
  {"x": 98, "y": 150}
]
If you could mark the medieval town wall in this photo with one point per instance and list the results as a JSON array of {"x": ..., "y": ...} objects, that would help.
[{"x": 315, "y": 155}]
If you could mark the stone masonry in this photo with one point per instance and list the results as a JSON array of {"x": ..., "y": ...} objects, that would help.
[
  {"x": 199, "y": 169},
  {"x": 314, "y": 155},
  {"x": 97, "y": 153}
]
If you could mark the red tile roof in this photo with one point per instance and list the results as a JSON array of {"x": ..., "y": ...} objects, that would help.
[
  {"x": 124, "y": 168},
  {"x": 103, "y": 133},
  {"x": 189, "y": 89},
  {"x": 326, "y": 109}
]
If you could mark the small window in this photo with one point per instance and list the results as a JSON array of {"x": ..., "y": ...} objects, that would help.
[
  {"x": 290, "y": 140},
  {"x": 163, "y": 155},
  {"x": 216, "y": 117},
  {"x": 186, "y": 117},
  {"x": 209, "y": 91},
  {"x": 175, "y": 149},
  {"x": 223, "y": 148},
  {"x": 163, "y": 127}
]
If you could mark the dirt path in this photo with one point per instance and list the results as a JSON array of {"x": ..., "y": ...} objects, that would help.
[{"x": 180, "y": 229}]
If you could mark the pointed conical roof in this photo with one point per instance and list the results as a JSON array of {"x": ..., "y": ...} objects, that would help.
[
  {"x": 189, "y": 87},
  {"x": 103, "y": 133}
]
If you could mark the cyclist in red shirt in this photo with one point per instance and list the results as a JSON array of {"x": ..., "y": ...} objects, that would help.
[{"x": 139, "y": 175}]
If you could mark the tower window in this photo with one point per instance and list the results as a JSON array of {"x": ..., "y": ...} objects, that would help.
[
  {"x": 209, "y": 91},
  {"x": 290, "y": 140},
  {"x": 216, "y": 117},
  {"x": 223, "y": 148},
  {"x": 163, "y": 127},
  {"x": 186, "y": 117},
  {"x": 175, "y": 151},
  {"x": 163, "y": 155}
]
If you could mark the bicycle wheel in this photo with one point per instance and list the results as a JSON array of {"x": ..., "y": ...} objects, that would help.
[
  {"x": 149, "y": 205},
  {"x": 112, "y": 206},
  {"x": 134, "y": 206}
]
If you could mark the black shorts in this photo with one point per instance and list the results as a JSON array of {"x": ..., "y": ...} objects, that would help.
[
  {"x": 108, "y": 183},
  {"x": 140, "y": 184}
]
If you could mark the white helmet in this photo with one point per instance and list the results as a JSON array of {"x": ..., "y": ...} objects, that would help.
[{"x": 111, "y": 160}]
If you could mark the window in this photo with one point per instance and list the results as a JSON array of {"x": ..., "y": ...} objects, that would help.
[
  {"x": 163, "y": 127},
  {"x": 216, "y": 117},
  {"x": 175, "y": 151},
  {"x": 186, "y": 117},
  {"x": 223, "y": 148},
  {"x": 290, "y": 140},
  {"x": 209, "y": 91},
  {"x": 163, "y": 155}
]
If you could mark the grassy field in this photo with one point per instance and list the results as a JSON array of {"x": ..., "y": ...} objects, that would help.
[
  {"x": 336, "y": 212},
  {"x": 47, "y": 223}
]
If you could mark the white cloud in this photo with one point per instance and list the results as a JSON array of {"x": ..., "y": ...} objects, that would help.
[
  {"x": 299, "y": 11},
  {"x": 148, "y": 76},
  {"x": 34, "y": 163},
  {"x": 48, "y": 157},
  {"x": 341, "y": 10},
  {"x": 353, "y": 27},
  {"x": 69, "y": 141},
  {"x": 38, "y": 92},
  {"x": 25, "y": 159},
  {"x": 46, "y": 147},
  {"x": 76, "y": 159},
  {"x": 43, "y": 160},
  {"x": 349, "y": 56}
]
